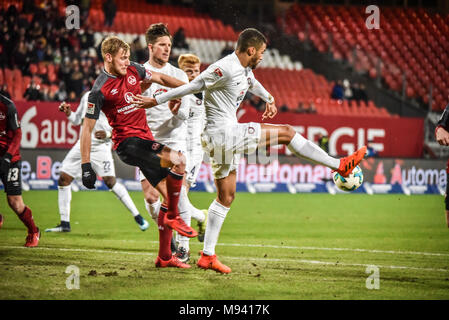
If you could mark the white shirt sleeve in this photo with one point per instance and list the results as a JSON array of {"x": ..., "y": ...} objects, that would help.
[
  {"x": 257, "y": 89},
  {"x": 77, "y": 117},
  {"x": 214, "y": 76},
  {"x": 195, "y": 86}
]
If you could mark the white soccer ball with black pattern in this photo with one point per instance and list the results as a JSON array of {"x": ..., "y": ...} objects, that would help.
[{"x": 351, "y": 182}]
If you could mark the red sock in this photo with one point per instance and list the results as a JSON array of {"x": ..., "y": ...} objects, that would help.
[
  {"x": 27, "y": 218},
  {"x": 165, "y": 235},
  {"x": 174, "y": 184}
]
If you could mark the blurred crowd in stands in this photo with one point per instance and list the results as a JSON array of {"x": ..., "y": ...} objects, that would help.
[
  {"x": 37, "y": 42},
  {"x": 344, "y": 90}
]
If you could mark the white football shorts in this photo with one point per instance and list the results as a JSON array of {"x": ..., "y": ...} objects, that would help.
[
  {"x": 100, "y": 158},
  {"x": 225, "y": 145}
]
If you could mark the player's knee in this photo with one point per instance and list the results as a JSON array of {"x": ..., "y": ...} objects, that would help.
[
  {"x": 109, "y": 181},
  {"x": 64, "y": 179},
  {"x": 288, "y": 131},
  {"x": 151, "y": 196},
  {"x": 16, "y": 204},
  {"x": 179, "y": 163}
]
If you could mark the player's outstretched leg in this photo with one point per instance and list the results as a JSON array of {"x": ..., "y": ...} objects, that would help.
[{"x": 303, "y": 148}]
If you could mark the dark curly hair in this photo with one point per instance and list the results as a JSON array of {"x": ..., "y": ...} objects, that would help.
[{"x": 156, "y": 31}]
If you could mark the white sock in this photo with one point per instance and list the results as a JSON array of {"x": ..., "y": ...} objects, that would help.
[
  {"x": 64, "y": 198},
  {"x": 123, "y": 195},
  {"x": 304, "y": 148},
  {"x": 184, "y": 212},
  {"x": 182, "y": 240},
  {"x": 216, "y": 216},
  {"x": 153, "y": 209},
  {"x": 195, "y": 213}
]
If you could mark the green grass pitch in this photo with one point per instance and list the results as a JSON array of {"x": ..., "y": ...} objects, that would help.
[{"x": 279, "y": 246}]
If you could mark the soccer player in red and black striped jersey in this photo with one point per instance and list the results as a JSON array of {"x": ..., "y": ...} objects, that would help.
[
  {"x": 442, "y": 137},
  {"x": 10, "y": 168},
  {"x": 112, "y": 93}
]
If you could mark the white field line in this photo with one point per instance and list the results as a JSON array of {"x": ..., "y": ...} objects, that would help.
[
  {"x": 334, "y": 249},
  {"x": 304, "y": 261}
]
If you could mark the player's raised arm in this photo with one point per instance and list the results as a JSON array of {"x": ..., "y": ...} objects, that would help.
[
  {"x": 165, "y": 80},
  {"x": 195, "y": 86}
]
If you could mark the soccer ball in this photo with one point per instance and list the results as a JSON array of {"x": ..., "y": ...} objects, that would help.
[{"x": 351, "y": 182}]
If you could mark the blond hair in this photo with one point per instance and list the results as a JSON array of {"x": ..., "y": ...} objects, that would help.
[
  {"x": 112, "y": 45},
  {"x": 187, "y": 60}
]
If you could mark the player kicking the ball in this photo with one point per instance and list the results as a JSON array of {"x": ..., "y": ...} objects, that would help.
[
  {"x": 102, "y": 161},
  {"x": 225, "y": 84},
  {"x": 112, "y": 93},
  {"x": 10, "y": 168}
]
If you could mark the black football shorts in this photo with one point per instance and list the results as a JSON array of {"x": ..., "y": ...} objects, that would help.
[
  {"x": 12, "y": 179},
  {"x": 143, "y": 154}
]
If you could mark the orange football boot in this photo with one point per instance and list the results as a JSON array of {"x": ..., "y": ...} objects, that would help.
[
  {"x": 211, "y": 262},
  {"x": 172, "y": 263},
  {"x": 180, "y": 226},
  {"x": 347, "y": 164},
  {"x": 32, "y": 240}
]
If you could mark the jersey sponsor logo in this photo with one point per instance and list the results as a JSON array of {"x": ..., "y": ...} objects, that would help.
[
  {"x": 90, "y": 108},
  {"x": 132, "y": 80},
  {"x": 2, "y": 116},
  {"x": 114, "y": 91},
  {"x": 159, "y": 92}
]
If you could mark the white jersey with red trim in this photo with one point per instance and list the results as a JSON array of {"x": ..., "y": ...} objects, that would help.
[
  {"x": 76, "y": 117},
  {"x": 166, "y": 127},
  {"x": 227, "y": 82}
]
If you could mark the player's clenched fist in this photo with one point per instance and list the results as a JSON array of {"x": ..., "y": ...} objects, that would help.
[
  {"x": 65, "y": 107},
  {"x": 88, "y": 176}
]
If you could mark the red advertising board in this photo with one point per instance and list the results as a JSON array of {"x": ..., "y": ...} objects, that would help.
[
  {"x": 391, "y": 137},
  {"x": 44, "y": 126}
]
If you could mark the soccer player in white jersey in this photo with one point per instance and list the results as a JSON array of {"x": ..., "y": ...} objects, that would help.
[
  {"x": 191, "y": 64},
  {"x": 102, "y": 161},
  {"x": 225, "y": 84},
  {"x": 168, "y": 123}
]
